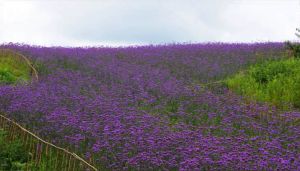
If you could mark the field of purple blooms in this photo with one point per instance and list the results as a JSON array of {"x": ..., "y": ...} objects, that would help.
[{"x": 150, "y": 107}]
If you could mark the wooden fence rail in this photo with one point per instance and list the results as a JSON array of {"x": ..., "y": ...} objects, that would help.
[{"x": 44, "y": 156}]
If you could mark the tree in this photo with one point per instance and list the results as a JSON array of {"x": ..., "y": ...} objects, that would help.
[
  {"x": 297, "y": 32},
  {"x": 294, "y": 47}
]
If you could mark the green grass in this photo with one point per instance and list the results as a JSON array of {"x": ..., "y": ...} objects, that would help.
[
  {"x": 276, "y": 82},
  {"x": 13, "y": 70},
  {"x": 13, "y": 155}
]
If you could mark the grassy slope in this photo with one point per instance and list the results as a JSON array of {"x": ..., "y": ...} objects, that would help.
[
  {"x": 13, "y": 155},
  {"x": 276, "y": 82},
  {"x": 13, "y": 69}
]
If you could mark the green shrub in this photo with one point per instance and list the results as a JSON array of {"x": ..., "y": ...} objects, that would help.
[
  {"x": 68, "y": 64},
  {"x": 41, "y": 67},
  {"x": 276, "y": 82},
  {"x": 294, "y": 48},
  {"x": 6, "y": 76},
  {"x": 12, "y": 70},
  {"x": 13, "y": 155}
]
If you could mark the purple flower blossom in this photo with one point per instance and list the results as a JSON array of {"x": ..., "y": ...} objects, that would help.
[{"x": 145, "y": 108}]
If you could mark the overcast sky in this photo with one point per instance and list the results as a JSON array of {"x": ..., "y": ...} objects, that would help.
[{"x": 135, "y": 22}]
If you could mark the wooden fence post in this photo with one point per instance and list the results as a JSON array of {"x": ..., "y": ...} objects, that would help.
[{"x": 40, "y": 149}]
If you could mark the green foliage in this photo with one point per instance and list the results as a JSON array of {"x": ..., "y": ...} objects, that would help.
[
  {"x": 172, "y": 106},
  {"x": 294, "y": 48},
  {"x": 6, "y": 76},
  {"x": 276, "y": 82},
  {"x": 12, "y": 70},
  {"x": 41, "y": 67},
  {"x": 13, "y": 155},
  {"x": 68, "y": 64}
]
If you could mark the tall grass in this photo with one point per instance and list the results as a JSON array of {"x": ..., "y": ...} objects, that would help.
[
  {"x": 23, "y": 150},
  {"x": 276, "y": 82},
  {"x": 13, "y": 155},
  {"x": 12, "y": 69}
]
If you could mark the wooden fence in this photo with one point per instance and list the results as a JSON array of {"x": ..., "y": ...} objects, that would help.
[{"x": 44, "y": 156}]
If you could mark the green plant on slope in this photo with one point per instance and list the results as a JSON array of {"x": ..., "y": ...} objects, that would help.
[
  {"x": 294, "y": 48},
  {"x": 276, "y": 82},
  {"x": 13, "y": 155},
  {"x": 13, "y": 70},
  {"x": 6, "y": 76}
]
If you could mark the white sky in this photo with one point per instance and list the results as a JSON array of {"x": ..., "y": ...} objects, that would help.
[{"x": 132, "y": 22}]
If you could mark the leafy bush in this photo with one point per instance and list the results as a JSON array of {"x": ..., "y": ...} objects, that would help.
[
  {"x": 13, "y": 155},
  {"x": 294, "y": 48},
  {"x": 13, "y": 70},
  {"x": 277, "y": 82},
  {"x": 41, "y": 68},
  {"x": 6, "y": 76}
]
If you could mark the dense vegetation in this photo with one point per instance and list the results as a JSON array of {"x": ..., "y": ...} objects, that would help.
[
  {"x": 294, "y": 48},
  {"x": 277, "y": 82},
  {"x": 13, "y": 69},
  {"x": 13, "y": 155},
  {"x": 149, "y": 108}
]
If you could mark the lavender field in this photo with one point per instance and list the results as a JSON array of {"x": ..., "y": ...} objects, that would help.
[{"x": 155, "y": 107}]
